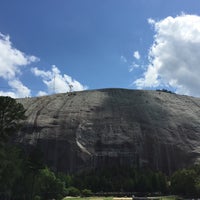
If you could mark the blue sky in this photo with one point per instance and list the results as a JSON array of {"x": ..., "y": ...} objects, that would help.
[{"x": 92, "y": 44}]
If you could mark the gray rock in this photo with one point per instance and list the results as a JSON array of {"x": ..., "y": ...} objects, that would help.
[{"x": 90, "y": 129}]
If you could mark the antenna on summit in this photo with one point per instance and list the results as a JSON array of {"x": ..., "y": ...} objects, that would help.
[
  {"x": 70, "y": 88},
  {"x": 54, "y": 83}
]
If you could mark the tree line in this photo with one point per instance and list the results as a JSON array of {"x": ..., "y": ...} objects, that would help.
[{"x": 23, "y": 176}]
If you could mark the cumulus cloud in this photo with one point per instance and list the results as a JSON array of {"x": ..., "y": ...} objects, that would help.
[
  {"x": 12, "y": 60},
  {"x": 136, "y": 55},
  {"x": 56, "y": 82},
  {"x": 19, "y": 89},
  {"x": 174, "y": 55}
]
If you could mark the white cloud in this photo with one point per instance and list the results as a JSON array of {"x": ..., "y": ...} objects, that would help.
[
  {"x": 174, "y": 55},
  {"x": 133, "y": 66},
  {"x": 136, "y": 55},
  {"x": 56, "y": 82},
  {"x": 42, "y": 93},
  {"x": 123, "y": 59},
  {"x": 10, "y": 94},
  {"x": 12, "y": 63},
  {"x": 17, "y": 89},
  {"x": 12, "y": 60}
]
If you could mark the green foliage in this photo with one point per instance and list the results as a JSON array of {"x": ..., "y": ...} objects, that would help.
[
  {"x": 91, "y": 198},
  {"x": 165, "y": 90},
  {"x": 37, "y": 197},
  {"x": 48, "y": 185},
  {"x": 11, "y": 113},
  {"x": 10, "y": 169},
  {"x": 73, "y": 191},
  {"x": 197, "y": 186},
  {"x": 34, "y": 160},
  {"x": 186, "y": 182},
  {"x": 66, "y": 178},
  {"x": 122, "y": 179},
  {"x": 86, "y": 193},
  {"x": 31, "y": 166}
]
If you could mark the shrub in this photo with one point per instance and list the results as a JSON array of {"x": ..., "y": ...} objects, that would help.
[
  {"x": 86, "y": 193},
  {"x": 72, "y": 191},
  {"x": 37, "y": 197},
  {"x": 59, "y": 197}
]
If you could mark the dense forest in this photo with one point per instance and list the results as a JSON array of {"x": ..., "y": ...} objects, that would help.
[{"x": 24, "y": 176}]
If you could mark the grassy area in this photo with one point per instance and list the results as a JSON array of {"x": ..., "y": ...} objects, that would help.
[
  {"x": 168, "y": 198},
  {"x": 111, "y": 198},
  {"x": 88, "y": 198}
]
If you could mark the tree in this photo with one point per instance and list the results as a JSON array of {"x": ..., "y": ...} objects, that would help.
[
  {"x": 10, "y": 170},
  {"x": 184, "y": 182},
  {"x": 11, "y": 113},
  {"x": 66, "y": 178},
  {"x": 48, "y": 185},
  {"x": 33, "y": 163}
]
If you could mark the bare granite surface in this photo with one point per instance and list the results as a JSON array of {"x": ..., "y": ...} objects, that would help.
[{"x": 90, "y": 129}]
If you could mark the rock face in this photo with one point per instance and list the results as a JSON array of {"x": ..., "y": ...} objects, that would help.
[{"x": 91, "y": 129}]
